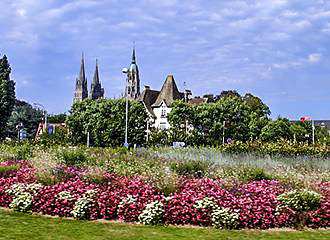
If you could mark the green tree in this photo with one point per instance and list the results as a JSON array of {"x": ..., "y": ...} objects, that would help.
[
  {"x": 105, "y": 121},
  {"x": 300, "y": 131},
  {"x": 57, "y": 118},
  {"x": 7, "y": 94},
  {"x": 276, "y": 130},
  {"x": 210, "y": 118},
  {"x": 27, "y": 115},
  {"x": 182, "y": 117},
  {"x": 258, "y": 114}
]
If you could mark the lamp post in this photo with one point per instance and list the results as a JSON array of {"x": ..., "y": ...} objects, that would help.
[
  {"x": 19, "y": 128},
  {"x": 45, "y": 113},
  {"x": 125, "y": 71},
  {"x": 223, "y": 133}
]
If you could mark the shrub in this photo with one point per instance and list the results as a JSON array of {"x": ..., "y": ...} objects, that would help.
[
  {"x": 300, "y": 201},
  {"x": 247, "y": 174},
  {"x": 8, "y": 171},
  {"x": 73, "y": 157},
  {"x": 195, "y": 168},
  {"x": 24, "y": 152},
  {"x": 152, "y": 214}
]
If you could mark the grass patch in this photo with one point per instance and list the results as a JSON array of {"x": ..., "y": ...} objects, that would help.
[{"x": 24, "y": 226}]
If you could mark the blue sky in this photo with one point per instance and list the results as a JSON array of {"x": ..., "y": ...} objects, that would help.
[{"x": 278, "y": 50}]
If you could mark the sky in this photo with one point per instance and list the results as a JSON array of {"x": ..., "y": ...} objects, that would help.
[{"x": 278, "y": 50}]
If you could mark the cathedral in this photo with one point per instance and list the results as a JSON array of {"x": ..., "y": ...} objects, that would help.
[
  {"x": 157, "y": 103},
  {"x": 81, "y": 91}
]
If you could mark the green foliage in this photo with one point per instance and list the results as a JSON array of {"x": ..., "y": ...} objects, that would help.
[
  {"x": 197, "y": 169},
  {"x": 7, "y": 171},
  {"x": 302, "y": 202},
  {"x": 24, "y": 151},
  {"x": 246, "y": 173},
  {"x": 57, "y": 118},
  {"x": 244, "y": 118},
  {"x": 7, "y": 95},
  {"x": 59, "y": 138},
  {"x": 27, "y": 115},
  {"x": 40, "y": 227},
  {"x": 276, "y": 130},
  {"x": 105, "y": 121},
  {"x": 73, "y": 157},
  {"x": 167, "y": 186}
]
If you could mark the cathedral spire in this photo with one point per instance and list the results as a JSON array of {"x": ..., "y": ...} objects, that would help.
[
  {"x": 96, "y": 89},
  {"x": 81, "y": 91},
  {"x": 82, "y": 74},
  {"x": 96, "y": 79},
  {"x": 133, "y": 55}
]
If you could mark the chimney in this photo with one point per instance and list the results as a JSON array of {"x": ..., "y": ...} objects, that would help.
[{"x": 146, "y": 87}]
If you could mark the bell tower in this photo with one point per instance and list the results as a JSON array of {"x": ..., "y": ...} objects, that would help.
[
  {"x": 81, "y": 91},
  {"x": 133, "y": 79}
]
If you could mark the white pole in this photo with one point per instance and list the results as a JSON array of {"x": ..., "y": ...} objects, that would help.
[
  {"x": 147, "y": 131},
  {"x": 313, "y": 131},
  {"x": 125, "y": 71},
  {"x": 223, "y": 133},
  {"x": 87, "y": 139},
  {"x": 126, "y": 122},
  {"x": 46, "y": 120}
]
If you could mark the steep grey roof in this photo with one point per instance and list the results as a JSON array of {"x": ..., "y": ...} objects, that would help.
[
  {"x": 169, "y": 92},
  {"x": 148, "y": 97}
]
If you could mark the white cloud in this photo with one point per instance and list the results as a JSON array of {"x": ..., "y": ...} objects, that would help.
[
  {"x": 314, "y": 58},
  {"x": 21, "y": 12}
]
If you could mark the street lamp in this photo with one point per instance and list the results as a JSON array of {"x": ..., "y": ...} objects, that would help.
[
  {"x": 19, "y": 128},
  {"x": 125, "y": 71},
  {"x": 45, "y": 112}
]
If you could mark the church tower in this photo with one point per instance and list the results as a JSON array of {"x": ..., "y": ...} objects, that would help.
[
  {"x": 81, "y": 91},
  {"x": 96, "y": 89},
  {"x": 133, "y": 79}
]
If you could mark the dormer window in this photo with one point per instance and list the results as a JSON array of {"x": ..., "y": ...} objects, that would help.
[{"x": 163, "y": 111}]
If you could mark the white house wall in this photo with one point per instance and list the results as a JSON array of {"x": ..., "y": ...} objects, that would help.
[{"x": 161, "y": 122}]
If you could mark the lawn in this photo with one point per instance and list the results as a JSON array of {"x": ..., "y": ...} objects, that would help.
[{"x": 24, "y": 226}]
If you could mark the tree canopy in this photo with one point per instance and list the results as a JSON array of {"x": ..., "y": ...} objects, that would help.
[
  {"x": 242, "y": 117},
  {"x": 7, "y": 95},
  {"x": 105, "y": 121},
  {"x": 27, "y": 115}
]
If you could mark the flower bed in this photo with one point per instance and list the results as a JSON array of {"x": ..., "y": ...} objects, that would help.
[{"x": 203, "y": 202}]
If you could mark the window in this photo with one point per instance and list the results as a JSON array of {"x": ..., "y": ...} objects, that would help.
[{"x": 163, "y": 111}]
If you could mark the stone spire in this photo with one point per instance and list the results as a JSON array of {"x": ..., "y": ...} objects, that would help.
[
  {"x": 81, "y": 91},
  {"x": 133, "y": 79},
  {"x": 96, "y": 89},
  {"x": 133, "y": 56}
]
